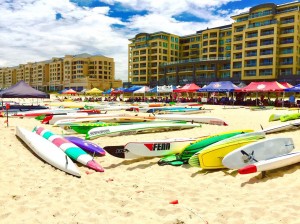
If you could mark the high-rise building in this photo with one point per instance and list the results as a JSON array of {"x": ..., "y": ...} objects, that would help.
[
  {"x": 147, "y": 52},
  {"x": 261, "y": 44},
  {"x": 83, "y": 71},
  {"x": 265, "y": 44}
]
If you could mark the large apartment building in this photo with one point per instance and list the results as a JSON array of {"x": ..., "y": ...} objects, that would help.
[
  {"x": 83, "y": 71},
  {"x": 261, "y": 44}
]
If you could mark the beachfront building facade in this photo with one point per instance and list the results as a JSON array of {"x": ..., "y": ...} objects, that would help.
[
  {"x": 147, "y": 52},
  {"x": 83, "y": 71},
  {"x": 261, "y": 44},
  {"x": 265, "y": 42}
]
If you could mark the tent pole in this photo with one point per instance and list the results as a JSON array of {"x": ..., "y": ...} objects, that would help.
[
  {"x": 282, "y": 104},
  {"x": 256, "y": 99}
]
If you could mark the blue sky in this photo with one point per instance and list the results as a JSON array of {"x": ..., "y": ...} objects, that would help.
[{"x": 36, "y": 30}]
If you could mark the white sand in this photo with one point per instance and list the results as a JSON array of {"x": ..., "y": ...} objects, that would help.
[{"x": 139, "y": 191}]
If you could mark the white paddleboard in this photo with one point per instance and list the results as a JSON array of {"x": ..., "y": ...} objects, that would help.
[
  {"x": 270, "y": 164},
  {"x": 158, "y": 147},
  {"x": 283, "y": 127},
  {"x": 48, "y": 151},
  {"x": 261, "y": 150},
  {"x": 192, "y": 118}
]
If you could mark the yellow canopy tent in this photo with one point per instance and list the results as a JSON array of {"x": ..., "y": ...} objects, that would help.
[{"x": 94, "y": 91}]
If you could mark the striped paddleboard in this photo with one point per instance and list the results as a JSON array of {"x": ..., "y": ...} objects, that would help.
[{"x": 73, "y": 151}]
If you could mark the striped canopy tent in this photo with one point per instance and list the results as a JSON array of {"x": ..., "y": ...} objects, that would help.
[{"x": 94, "y": 91}]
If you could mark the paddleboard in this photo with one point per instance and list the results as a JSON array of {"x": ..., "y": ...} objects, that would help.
[
  {"x": 136, "y": 128},
  {"x": 260, "y": 150},
  {"x": 192, "y": 118},
  {"x": 86, "y": 145},
  {"x": 73, "y": 151},
  {"x": 158, "y": 147},
  {"x": 283, "y": 127},
  {"x": 270, "y": 164},
  {"x": 196, "y": 147},
  {"x": 221, "y": 146},
  {"x": 47, "y": 151}
]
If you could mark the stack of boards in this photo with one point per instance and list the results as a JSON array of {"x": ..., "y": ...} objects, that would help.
[
  {"x": 59, "y": 151},
  {"x": 48, "y": 151}
]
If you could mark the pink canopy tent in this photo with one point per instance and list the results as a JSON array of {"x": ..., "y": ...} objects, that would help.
[
  {"x": 262, "y": 87},
  {"x": 286, "y": 84},
  {"x": 188, "y": 88}
]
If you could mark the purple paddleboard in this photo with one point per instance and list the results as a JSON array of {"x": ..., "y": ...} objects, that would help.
[{"x": 86, "y": 145}]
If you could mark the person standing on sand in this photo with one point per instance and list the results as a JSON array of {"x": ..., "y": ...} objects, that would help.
[{"x": 292, "y": 100}]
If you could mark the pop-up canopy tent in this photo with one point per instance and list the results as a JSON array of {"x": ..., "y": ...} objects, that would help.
[
  {"x": 94, "y": 91},
  {"x": 188, "y": 88},
  {"x": 286, "y": 84},
  {"x": 144, "y": 89},
  {"x": 118, "y": 90},
  {"x": 262, "y": 87},
  {"x": 295, "y": 88},
  {"x": 132, "y": 89},
  {"x": 69, "y": 91},
  {"x": 225, "y": 86},
  {"x": 22, "y": 90}
]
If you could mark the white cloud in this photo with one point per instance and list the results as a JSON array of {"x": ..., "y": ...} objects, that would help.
[{"x": 30, "y": 31}]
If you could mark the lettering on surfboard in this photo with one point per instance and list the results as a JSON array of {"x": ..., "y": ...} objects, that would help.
[{"x": 158, "y": 146}]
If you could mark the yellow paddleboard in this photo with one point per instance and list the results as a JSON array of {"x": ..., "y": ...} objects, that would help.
[{"x": 212, "y": 158}]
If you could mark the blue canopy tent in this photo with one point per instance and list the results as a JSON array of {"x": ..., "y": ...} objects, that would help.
[
  {"x": 223, "y": 86},
  {"x": 132, "y": 89},
  {"x": 295, "y": 88},
  {"x": 107, "y": 91}
]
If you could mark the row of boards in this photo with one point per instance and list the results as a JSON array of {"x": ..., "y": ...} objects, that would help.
[{"x": 240, "y": 151}]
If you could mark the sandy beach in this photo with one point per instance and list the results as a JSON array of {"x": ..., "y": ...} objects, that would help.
[{"x": 140, "y": 191}]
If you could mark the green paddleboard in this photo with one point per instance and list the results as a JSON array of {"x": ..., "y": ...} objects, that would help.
[
  {"x": 289, "y": 117},
  {"x": 189, "y": 151}
]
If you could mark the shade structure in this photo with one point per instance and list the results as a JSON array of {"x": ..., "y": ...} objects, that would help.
[
  {"x": 224, "y": 86},
  {"x": 132, "y": 89},
  {"x": 286, "y": 84},
  {"x": 69, "y": 91},
  {"x": 118, "y": 90},
  {"x": 188, "y": 88},
  {"x": 22, "y": 90},
  {"x": 162, "y": 89},
  {"x": 144, "y": 89},
  {"x": 262, "y": 87},
  {"x": 94, "y": 91},
  {"x": 295, "y": 88},
  {"x": 241, "y": 84}
]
